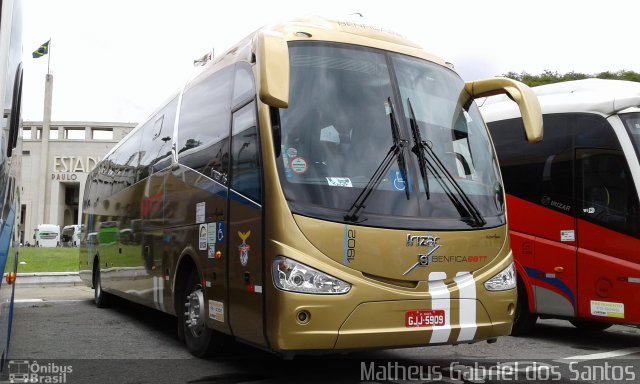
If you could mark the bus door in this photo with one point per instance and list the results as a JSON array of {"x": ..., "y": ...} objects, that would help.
[
  {"x": 608, "y": 263},
  {"x": 554, "y": 264},
  {"x": 245, "y": 234}
]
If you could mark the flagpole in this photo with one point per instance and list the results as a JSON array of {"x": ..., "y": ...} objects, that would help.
[{"x": 49, "y": 58}]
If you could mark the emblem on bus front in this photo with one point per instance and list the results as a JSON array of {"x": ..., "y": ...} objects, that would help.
[
  {"x": 424, "y": 259},
  {"x": 422, "y": 241}
]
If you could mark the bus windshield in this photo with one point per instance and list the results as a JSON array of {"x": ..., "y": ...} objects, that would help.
[{"x": 338, "y": 130}]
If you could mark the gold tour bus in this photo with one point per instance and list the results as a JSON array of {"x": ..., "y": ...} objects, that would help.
[{"x": 322, "y": 185}]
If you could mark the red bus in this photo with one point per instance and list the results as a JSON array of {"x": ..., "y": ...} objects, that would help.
[{"x": 572, "y": 203}]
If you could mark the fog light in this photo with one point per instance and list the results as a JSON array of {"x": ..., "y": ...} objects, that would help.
[{"x": 303, "y": 317}]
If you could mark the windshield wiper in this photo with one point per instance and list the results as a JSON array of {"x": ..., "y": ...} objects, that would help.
[
  {"x": 463, "y": 204},
  {"x": 417, "y": 139},
  {"x": 397, "y": 151}
]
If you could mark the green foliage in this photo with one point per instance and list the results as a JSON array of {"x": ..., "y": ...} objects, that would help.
[
  {"x": 48, "y": 259},
  {"x": 550, "y": 77},
  {"x": 57, "y": 259}
]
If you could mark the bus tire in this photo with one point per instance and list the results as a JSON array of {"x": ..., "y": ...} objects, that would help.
[
  {"x": 523, "y": 321},
  {"x": 199, "y": 339},
  {"x": 590, "y": 326},
  {"x": 100, "y": 297}
]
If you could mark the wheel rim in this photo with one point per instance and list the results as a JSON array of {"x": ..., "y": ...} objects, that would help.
[{"x": 194, "y": 315}]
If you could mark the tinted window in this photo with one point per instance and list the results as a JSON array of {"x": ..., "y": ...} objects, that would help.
[
  {"x": 245, "y": 163},
  {"x": 156, "y": 146},
  {"x": 593, "y": 131},
  {"x": 540, "y": 173},
  {"x": 607, "y": 195},
  {"x": 243, "y": 87},
  {"x": 204, "y": 125},
  {"x": 123, "y": 162},
  {"x": 543, "y": 173}
]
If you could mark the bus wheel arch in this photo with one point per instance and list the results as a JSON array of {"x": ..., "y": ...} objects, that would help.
[{"x": 190, "y": 308}]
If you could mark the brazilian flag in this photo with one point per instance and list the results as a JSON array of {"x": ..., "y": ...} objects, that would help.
[{"x": 42, "y": 50}]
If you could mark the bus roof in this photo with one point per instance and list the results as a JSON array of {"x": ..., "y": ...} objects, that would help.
[
  {"x": 306, "y": 28},
  {"x": 319, "y": 28},
  {"x": 604, "y": 97}
]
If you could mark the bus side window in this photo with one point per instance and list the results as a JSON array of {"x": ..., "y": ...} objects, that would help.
[
  {"x": 124, "y": 162},
  {"x": 540, "y": 173},
  {"x": 203, "y": 130},
  {"x": 607, "y": 193},
  {"x": 245, "y": 163},
  {"x": 156, "y": 153},
  {"x": 243, "y": 86}
]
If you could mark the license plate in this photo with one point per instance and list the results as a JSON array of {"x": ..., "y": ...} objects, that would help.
[{"x": 427, "y": 318}]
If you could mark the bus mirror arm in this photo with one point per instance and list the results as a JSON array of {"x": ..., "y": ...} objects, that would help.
[
  {"x": 518, "y": 92},
  {"x": 274, "y": 115}
]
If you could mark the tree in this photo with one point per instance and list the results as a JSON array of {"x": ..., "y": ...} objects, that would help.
[{"x": 549, "y": 77}]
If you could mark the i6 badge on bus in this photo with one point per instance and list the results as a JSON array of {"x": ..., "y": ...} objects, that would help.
[{"x": 426, "y": 318}]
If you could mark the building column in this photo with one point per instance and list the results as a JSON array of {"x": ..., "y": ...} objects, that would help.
[{"x": 44, "y": 151}]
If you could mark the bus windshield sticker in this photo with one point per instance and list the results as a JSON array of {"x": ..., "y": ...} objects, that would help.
[
  {"x": 339, "y": 182},
  {"x": 216, "y": 310},
  {"x": 244, "y": 248},
  {"x": 200, "y": 210},
  {"x": 292, "y": 153},
  {"x": 299, "y": 165},
  {"x": 398, "y": 181},
  {"x": 202, "y": 243}
]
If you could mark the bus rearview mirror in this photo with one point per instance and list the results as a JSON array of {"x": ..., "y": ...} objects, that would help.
[
  {"x": 518, "y": 92},
  {"x": 273, "y": 69}
]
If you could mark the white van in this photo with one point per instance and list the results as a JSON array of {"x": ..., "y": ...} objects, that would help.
[
  {"x": 71, "y": 235},
  {"x": 47, "y": 235}
]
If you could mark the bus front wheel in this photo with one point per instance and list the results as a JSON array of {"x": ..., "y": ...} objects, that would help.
[
  {"x": 100, "y": 297},
  {"x": 200, "y": 340}
]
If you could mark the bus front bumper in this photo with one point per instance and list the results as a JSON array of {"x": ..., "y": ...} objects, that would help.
[{"x": 385, "y": 324}]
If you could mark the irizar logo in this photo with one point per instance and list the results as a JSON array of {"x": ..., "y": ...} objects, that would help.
[{"x": 422, "y": 241}]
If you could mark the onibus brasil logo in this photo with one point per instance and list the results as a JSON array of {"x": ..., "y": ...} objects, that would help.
[{"x": 25, "y": 371}]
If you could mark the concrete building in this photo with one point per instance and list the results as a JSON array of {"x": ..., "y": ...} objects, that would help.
[{"x": 55, "y": 168}]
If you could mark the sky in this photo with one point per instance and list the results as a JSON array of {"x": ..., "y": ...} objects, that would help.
[{"x": 117, "y": 60}]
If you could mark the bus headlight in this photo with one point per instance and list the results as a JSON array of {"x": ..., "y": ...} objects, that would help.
[
  {"x": 289, "y": 275},
  {"x": 502, "y": 281}
]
